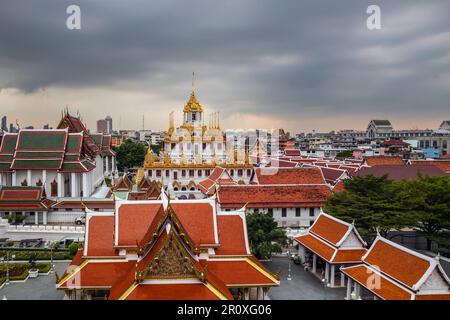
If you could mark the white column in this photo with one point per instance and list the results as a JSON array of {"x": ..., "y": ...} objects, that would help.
[
  {"x": 44, "y": 219},
  {"x": 73, "y": 178},
  {"x": 349, "y": 289},
  {"x": 327, "y": 272},
  {"x": 246, "y": 294},
  {"x": 357, "y": 291},
  {"x": 1, "y": 178},
  {"x": 113, "y": 159},
  {"x": 107, "y": 164},
  {"x": 60, "y": 185},
  {"x": 86, "y": 192},
  {"x": 14, "y": 179},
  {"x": 314, "y": 266},
  {"x": 332, "y": 275},
  {"x": 342, "y": 279},
  {"x": 29, "y": 178},
  {"x": 44, "y": 180},
  {"x": 301, "y": 253},
  {"x": 36, "y": 217}
]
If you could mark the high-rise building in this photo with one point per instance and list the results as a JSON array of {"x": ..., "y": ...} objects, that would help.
[
  {"x": 109, "y": 124},
  {"x": 4, "y": 125},
  {"x": 102, "y": 126}
]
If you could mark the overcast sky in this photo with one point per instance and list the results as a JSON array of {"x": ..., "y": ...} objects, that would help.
[{"x": 301, "y": 65}]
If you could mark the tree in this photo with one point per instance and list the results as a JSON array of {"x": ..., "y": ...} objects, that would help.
[
  {"x": 371, "y": 203},
  {"x": 345, "y": 154},
  {"x": 426, "y": 202},
  {"x": 264, "y": 235},
  {"x": 130, "y": 154}
]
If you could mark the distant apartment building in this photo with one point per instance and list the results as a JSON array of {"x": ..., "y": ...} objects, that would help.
[
  {"x": 4, "y": 124},
  {"x": 105, "y": 125}
]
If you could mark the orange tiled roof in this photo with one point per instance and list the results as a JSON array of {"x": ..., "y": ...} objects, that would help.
[
  {"x": 231, "y": 235},
  {"x": 134, "y": 220},
  {"x": 190, "y": 291},
  {"x": 190, "y": 214},
  {"x": 100, "y": 240},
  {"x": 320, "y": 248},
  {"x": 349, "y": 255},
  {"x": 432, "y": 297},
  {"x": 329, "y": 229},
  {"x": 444, "y": 165},
  {"x": 289, "y": 176},
  {"x": 238, "y": 272},
  {"x": 399, "y": 264},
  {"x": 383, "y": 160},
  {"x": 386, "y": 289},
  {"x": 260, "y": 196}
]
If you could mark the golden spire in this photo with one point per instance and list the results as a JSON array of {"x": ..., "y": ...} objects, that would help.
[
  {"x": 149, "y": 159},
  {"x": 139, "y": 176},
  {"x": 193, "y": 105}
]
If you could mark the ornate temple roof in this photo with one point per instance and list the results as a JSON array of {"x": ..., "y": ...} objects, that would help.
[{"x": 193, "y": 105}]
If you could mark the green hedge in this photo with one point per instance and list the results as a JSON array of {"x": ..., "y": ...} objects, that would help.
[
  {"x": 38, "y": 254},
  {"x": 20, "y": 277},
  {"x": 44, "y": 267},
  {"x": 2, "y": 280}
]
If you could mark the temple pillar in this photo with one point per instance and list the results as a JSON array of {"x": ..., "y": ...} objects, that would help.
[
  {"x": 14, "y": 179},
  {"x": 60, "y": 185},
  {"x": 327, "y": 272},
  {"x": 36, "y": 217},
  {"x": 29, "y": 178},
  {"x": 73, "y": 178},
  {"x": 44, "y": 180},
  {"x": 349, "y": 289},
  {"x": 107, "y": 164},
  {"x": 332, "y": 275},
  {"x": 44, "y": 218},
  {"x": 113, "y": 162},
  {"x": 342, "y": 280},
  {"x": 357, "y": 291},
  {"x": 314, "y": 266},
  {"x": 1, "y": 178},
  {"x": 301, "y": 253},
  {"x": 246, "y": 294},
  {"x": 85, "y": 190}
]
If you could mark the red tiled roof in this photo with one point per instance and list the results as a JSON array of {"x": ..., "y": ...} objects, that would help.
[
  {"x": 397, "y": 263},
  {"x": 100, "y": 238},
  {"x": 383, "y": 160},
  {"x": 96, "y": 274},
  {"x": 339, "y": 187},
  {"x": 444, "y": 165},
  {"x": 197, "y": 291},
  {"x": 260, "y": 196},
  {"x": 231, "y": 235},
  {"x": 134, "y": 220},
  {"x": 315, "y": 245},
  {"x": 432, "y": 297},
  {"x": 349, "y": 255},
  {"x": 289, "y": 176},
  {"x": 292, "y": 152},
  {"x": 238, "y": 272},
  {"x": 386, "y": 290},
  {"x": 329, "y": 229},
  {"x": 190, "y": 214},
  {"x": 332, "y": 175}
]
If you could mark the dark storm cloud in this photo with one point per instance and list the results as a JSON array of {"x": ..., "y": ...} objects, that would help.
[{"x": 283, "y": 58}]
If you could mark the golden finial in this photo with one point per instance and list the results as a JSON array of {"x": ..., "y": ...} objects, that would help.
[
  {"x": 193, "y": 82},
  {"x": 139, "y": 176}
]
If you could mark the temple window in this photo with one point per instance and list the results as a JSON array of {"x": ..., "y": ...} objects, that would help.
[
  {"x": 150, "y": 173},
  {"x": 311, "y": 212},
  {"x": 191, "y": 173},
  {"x": 297, "y": 212},
  {"x": 240, "y": 172},
  {"x": 283, "y": 212},
  {"x": 232, "y": 172},
  {"x": 158, "y": 173},
  {"x": 207, "y": 172},
  {"x": 199, "y": 172},
  {"x": 249, "y": 172},
  {"x": 167, "y": 173},
  {"x": 183, "y": 173},
  {"x": 193, "y": 117}
]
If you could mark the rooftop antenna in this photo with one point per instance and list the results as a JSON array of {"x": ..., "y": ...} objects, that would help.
[{"x": 143, "y": 122}]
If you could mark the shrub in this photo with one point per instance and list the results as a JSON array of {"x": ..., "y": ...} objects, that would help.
[
  {"x": 73, "y": 248},
  {"x": 44, "y": 267}
]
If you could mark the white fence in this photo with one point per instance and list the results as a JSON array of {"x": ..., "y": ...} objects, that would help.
[{"x": 43, "y": 228}]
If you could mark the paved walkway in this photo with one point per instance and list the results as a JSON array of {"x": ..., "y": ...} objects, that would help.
[
  {"x": 303, "y": 286},
  {"x": 40, "y": 288}
]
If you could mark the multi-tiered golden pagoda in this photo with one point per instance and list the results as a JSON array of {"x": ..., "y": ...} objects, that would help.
[{"x": 192, "y": 150}]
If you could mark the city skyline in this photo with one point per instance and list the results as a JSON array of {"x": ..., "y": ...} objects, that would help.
[{"x": 297, "y": 66}]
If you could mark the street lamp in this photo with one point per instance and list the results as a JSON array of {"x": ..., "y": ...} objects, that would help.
[
  {"x": 7, "y": 266},
  {"x": 289, "y": 276},
  {"x": 52, "y": 269}
]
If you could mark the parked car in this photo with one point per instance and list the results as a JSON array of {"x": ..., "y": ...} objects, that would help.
[{"x": 80, "y": 220}]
